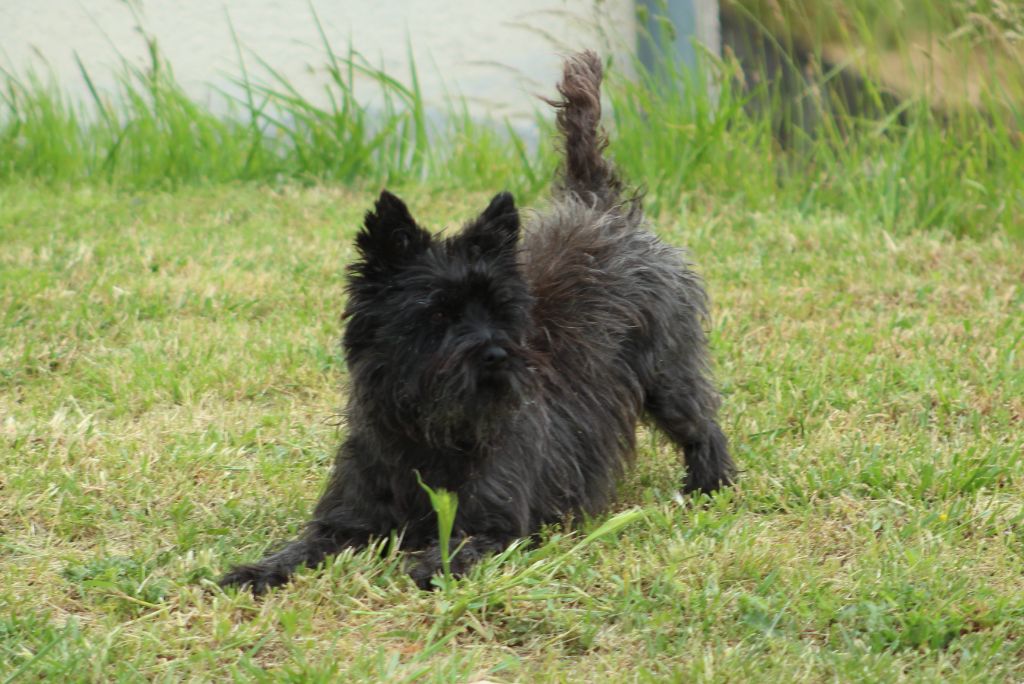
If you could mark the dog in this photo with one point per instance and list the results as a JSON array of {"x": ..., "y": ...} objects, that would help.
[{"x": 509, "y": 368}]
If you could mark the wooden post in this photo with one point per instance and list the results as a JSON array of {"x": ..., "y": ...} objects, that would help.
[{"x": 670, "y": 28}]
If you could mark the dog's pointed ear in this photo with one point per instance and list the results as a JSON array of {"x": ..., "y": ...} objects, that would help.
[
  {"x": 390, "y": 236},
  {"x": 497, "y": 228}
]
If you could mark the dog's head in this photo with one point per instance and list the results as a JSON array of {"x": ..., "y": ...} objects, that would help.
[{"x": 436, "y": 332}]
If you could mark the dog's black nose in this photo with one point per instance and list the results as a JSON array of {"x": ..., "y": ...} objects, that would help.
[{"x": 494, "y": 356}]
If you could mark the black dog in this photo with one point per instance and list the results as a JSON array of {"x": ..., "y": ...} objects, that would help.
[{"x": 512, "y": 372}]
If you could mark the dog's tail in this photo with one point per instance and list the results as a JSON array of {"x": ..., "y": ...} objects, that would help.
[{"x": 585, "y": 171}]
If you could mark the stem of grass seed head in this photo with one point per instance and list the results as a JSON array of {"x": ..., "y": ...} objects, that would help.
[{"x": 445, "y": 504}]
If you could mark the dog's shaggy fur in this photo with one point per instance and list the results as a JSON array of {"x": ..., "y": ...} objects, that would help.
[{"x": 511, "y": 370}]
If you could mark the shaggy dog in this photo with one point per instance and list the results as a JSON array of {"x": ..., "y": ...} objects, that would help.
[{"x": 510, "y": 365}]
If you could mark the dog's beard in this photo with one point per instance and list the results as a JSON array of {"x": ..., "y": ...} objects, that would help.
[{"x": 462, "y": 406}]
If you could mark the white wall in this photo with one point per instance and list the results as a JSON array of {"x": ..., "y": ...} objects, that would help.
[{"x": 498, "y": 54}]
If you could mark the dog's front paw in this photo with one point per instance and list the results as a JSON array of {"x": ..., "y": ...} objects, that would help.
[
  {"x": 428, "y": 563},
  {"x": 256, "y": 578},
  {"x": 423, "y": 570}
]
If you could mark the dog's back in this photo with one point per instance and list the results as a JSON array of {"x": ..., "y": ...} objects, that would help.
[
  {"x": 582, "y": 255},
  {"x": 600, "y": 277}
]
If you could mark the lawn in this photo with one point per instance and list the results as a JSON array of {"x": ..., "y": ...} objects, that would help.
[{"x": 170, "y": 386}]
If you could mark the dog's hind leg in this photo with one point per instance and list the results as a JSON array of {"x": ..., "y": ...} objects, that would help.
[{"x": 684, "y": 405}]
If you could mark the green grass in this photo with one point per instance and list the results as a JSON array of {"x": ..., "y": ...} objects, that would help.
[
  {"x": 959, "y": 170},
  {"x": 888, "y": 24},
  {"x": 169, "y": 378}
]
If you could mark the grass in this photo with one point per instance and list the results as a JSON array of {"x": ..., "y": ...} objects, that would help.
[
  {"x": 890, "y": 22},
  {"x": 149, "y": 133},
  {"x": 169, "y": 377},
  {"x": 170, "y": 288}
]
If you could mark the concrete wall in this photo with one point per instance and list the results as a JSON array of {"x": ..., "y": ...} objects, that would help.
[{"x": 498, "y": 54}]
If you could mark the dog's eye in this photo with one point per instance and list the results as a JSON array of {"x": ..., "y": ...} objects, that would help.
[{"x": 438, "y": 316}]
